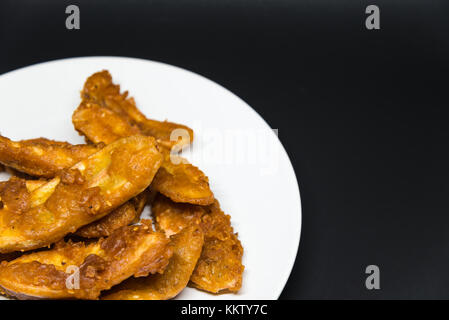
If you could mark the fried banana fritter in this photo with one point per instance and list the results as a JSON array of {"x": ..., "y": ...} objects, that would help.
[
  {"x": 122, "y": 216},
  {"x": 100, "y": 124},
  {"x": 42, "y": 157},
  {"x": 129, "y": 251},
  {"x": 220, "y": 266},
  {"x": 100, "y": 89},
  {"x": 187, "y": 247},
  {"x": 86, "y": 192},
  {"x": 181, "y": 182},
  {"x": 97, "y": 190},
  {"x": 46, "y": 158}
]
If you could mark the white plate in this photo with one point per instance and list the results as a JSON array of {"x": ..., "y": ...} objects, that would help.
[{"x": 249, "y": 170}]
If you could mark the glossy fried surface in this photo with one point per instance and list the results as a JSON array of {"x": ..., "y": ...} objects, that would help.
[
  {"x": 182, "y": 182},
  {"x": 45, "y": 158},
  {"x": 220, "y": 265},
  {"x": 106, "y": 115},
  {"x": 41, "y": 157},
  {"x": 86, "y": 192},
  {"x": 122, "y": 216},
  {"x": 129, "y": 251},
  {"x": 96, "y": 191},
  {"x": 187, "y": 246},
  {"x": 100, "y": 89},
  {"x": 100, "y": 124}
]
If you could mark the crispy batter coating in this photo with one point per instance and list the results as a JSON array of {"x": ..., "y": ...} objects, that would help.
[
  {"x": 220, "y": 265},
  {"x": 100, "y": 89},
  {"x": 100, "y": 124},
  {"x": 187, "y": 247},
  {"x": 42, "y": 157},
  {"x": 97, "y": 190},
  {"x": 86, "y": 192},
  {"x": 122, "y": 216},
  {"x": 182, "y": 182},
  {"x": 31, "y": 185},
  {"x": 129, "y": 251},
  {"x": 105, "y": 115},
  {"x": 45, "y": 158}
]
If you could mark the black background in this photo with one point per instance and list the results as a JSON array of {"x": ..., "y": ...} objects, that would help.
[{"x": 363, "y": 114}]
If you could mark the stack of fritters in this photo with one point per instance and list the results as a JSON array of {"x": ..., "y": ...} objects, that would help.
[{"x": 71, "y": 213}]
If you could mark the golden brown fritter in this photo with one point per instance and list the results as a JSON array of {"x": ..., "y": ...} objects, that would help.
[
  {"x": 95, "y": 190},
  {"x": 100, "y": 124},
  {"x": 182, "y": 182},
  {"x": 220, "y": 265},
  {"x": 99, "y": 89},
  {"x": 122, "y": 216},
  {"x": 187, "y": 247},
  {"x": 42, "y": 157},
  {"x": 86, "y": 192},
  {"x": 45, "y": 158},
  {"x": 129, "y": 251},
  {"x": 105, "y": 115}
]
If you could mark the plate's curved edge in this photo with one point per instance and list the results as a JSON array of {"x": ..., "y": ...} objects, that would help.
[
  {"x": 294, "y": 255},
  {"x": 299, "y": 226}
]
